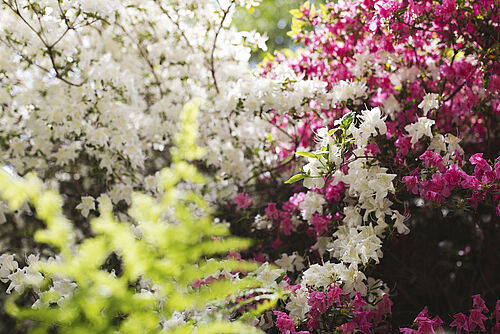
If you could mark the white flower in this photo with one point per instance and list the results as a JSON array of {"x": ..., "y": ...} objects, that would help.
[
  {"x": 420, "y": 128},
  {"x": 352, "y": 278},
  {"x": 391, "y": 106},
  {"x": 298, "y": 262},
  {"x": 262, "y": 222},
  {"x": 315, "y": 170},
  {"x": 372, "y": 120},
  {"x": 319, "y": 276},
  {"x": 356, "y": 245},
  {"x": 382, "y": 185},
  {"x": 7, "y": 266},
  {"x": 312, "y": 203},
  {"x": 177, "y": 319},
  {"x": 267, "y": 275},
  {"x": 437, "y": 144},
  {"x": 429, "y": 102},
  {"x": 286, "y": 262},
  {"x": 64, "y": 287},
  {"x": 321, "y": 245},
  {"x": 297, "y": 306},
  {"x": 86, "y": 205},
  {"x": 453, "y": 144},
  {"x": 399, "y": 220},
  {"x": 16, "y": 280},
  {"x": 352, "y": 217},
  {"x": 345, "y": 90}
]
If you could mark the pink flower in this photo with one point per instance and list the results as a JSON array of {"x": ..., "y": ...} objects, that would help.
[
  {"x": 411, "y": 184},
  {"x": 461, "y": 322},
  {"x": 361, "y": 320},
  {"x": 497, "y": 168},
  {"x": 358, "y": 302},
  {"x": 478, "y": 302},
  {"x": 404, "y": 144},
  {"x": 453, "y": 175},
  {"x": 242, "y": 201},
  {"x": 431, "y": 159},
  {"x": 317, "y": 302},
  {"x": 481, "y": 165},
  {"x": 470, "y": 182},
  {"x": 373, "y": 149},
  {"x": 320, "y": 223},
  {"x": 296, "y": 199},
  {"x": 497, "y": 311},
  {"x": 286, "y": 226},
  {"x": 272, "y": 211},
  {"x": 385, "y": 305},
  {"x": 446, "y": 9},
  {"x": 312, "y": 323},
  {"x": 284, "y": 323},
  {"x": 333, "y": 295},
  {"x": 476, "y": 318}
]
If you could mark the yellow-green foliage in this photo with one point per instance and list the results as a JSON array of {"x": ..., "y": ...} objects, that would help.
[{"x": 171, "y": 254}]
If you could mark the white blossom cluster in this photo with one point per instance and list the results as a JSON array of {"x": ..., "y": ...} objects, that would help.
[
  {"x": 90, "y": 96},
  {"x": 90, "y": 93}
]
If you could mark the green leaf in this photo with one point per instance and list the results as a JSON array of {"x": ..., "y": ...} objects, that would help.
[
  {"x": 347, "y": 120},
  {"x": 306, "y": 154},
  {"x": 295, "y": 178}
]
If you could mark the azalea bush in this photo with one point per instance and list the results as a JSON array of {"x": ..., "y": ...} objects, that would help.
[{"x": 364, "y": 165}]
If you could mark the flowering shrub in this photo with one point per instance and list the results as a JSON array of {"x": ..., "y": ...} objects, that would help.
[
  {"x": 365, "y": 165},
  {"x": 397, "y": 100},
  {"x": 159, "y": 260}
]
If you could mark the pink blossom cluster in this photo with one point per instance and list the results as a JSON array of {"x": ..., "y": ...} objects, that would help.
[
  {"x": 332, "y": 305},
  {"x": 440, "y": 183},
  {"x": 475, "y": 321},
  {"x": 430, "y": 71}
]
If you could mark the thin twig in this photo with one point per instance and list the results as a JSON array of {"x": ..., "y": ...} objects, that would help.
[{"x": 212, "y": 68}]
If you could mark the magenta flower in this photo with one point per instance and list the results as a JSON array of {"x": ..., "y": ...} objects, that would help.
[
  {"x": 385, "y": 305},
  {"x": 272, "y": 211},
  {"x": 497, "y": 308},
  {"x": 242, "y": 201},
  {"x": 320, "y": 224},
  {"x": 284, "y": 323},
  {"x": 334, "y": 294},
  {"x": 411, "y": 184},
  {"x": 453, "y": 175},
  {"x": 460, "y": 322},
  {"x": 478, "y": 302},
  {"x": 476, "y": 318},
  {"x": 317, "y": 302},
  {"x": 358, "y": 302},
  {"x": 431, "y": 159}
]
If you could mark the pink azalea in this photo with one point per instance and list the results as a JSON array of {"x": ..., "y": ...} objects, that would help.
[
  {"x": 320, "y": 223},
  {"x": 334, "y": 294},
  {"x": 478, "y": 302},
  {"x": 461, "y": 322},
  {"x": 497, "y": 311},
  {"x": 284, "y": 323},
  {"x": 272, "y": 211},
  {"x": 453, "y": 175},
  {"x": 242, "y": 201},
  {"x": 411, "y": 184},
  {"x": 286, "y": 226},
  {"x": 476, "y": 318},
  {"x": 317, "y": 302},
  {"x": 358, "y": 302},
  {"x": 431, "y": 159}
]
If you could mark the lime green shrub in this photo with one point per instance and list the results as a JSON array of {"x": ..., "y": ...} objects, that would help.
[{"x": 176, "y": 240}]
